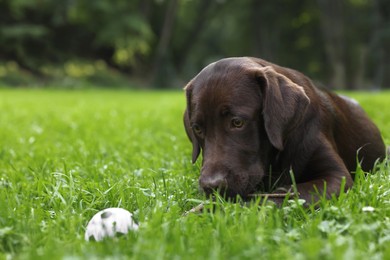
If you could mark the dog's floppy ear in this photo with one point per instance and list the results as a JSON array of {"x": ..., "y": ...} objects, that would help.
[
  {"x": 187, "y": 125},
  {"x": 284, "y": 104}
]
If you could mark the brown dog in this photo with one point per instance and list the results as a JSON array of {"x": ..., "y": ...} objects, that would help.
[{"x": 255, "y": 121}]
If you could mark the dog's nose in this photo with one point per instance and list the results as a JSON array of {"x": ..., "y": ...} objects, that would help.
[{"x": 211, "y": 183}]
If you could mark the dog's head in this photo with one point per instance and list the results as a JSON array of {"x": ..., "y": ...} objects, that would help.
[{"x": 237, "y": 112}]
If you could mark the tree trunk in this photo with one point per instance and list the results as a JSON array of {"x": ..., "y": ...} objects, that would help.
[
  {"x": 360, "y": 72},
  {"x": 331, "y": 16},
  {"x": 194, "y": 32},
  {"x": 263, "y": 40},
  {"x": 160, "y": 78},
  {"x": 145, "y": 8},
  {"x": 382, "y": 77}
]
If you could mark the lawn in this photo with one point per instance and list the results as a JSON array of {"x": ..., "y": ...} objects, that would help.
[{"x": 64, "y": 155}]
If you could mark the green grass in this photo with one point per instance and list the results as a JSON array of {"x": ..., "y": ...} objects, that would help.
[{"x": 66, "y": 155}]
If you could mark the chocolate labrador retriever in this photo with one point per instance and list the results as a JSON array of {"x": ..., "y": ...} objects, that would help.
[{"x": 255, "y": 121}]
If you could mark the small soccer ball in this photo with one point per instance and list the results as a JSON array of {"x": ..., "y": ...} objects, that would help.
[{"x": 109, "y": 223}]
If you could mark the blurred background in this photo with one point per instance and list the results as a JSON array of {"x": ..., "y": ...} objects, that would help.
[{"x": 342, "y": 44}]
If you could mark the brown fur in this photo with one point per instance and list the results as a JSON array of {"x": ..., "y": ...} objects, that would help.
[{"x": 288, "y": 123}]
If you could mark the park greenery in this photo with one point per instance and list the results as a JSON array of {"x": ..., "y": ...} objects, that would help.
[
  {"x": 65, "y": 155},
  {"x": 343, "y": 44},
  {"x": 78, "y": 134}
]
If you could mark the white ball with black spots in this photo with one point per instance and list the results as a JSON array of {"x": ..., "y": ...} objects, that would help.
[{"x": 108, "y": 223}]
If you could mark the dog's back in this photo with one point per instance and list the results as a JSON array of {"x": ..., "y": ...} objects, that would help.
[{"x": 357, "y": 139}]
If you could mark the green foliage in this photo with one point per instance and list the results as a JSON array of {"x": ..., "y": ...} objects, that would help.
[
  {"x": 40, "y": 32},
  {"x": 64, "y": 155},
  {"x": 135, "y": 37},
  {"x": 118, "y": 25},
  {"x": 70, "y": 75}
]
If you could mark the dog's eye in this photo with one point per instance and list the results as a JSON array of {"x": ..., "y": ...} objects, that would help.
[
  {"x": 237, "y": 123},
  {"x": 197, "y": 130}
]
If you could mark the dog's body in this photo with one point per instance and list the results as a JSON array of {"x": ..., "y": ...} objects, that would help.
[{"x": 255, "y": 121}]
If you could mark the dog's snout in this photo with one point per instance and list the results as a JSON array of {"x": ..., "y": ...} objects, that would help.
[{"x": 214, "y": 182}]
